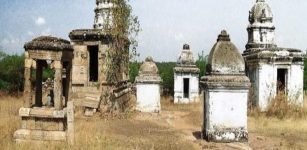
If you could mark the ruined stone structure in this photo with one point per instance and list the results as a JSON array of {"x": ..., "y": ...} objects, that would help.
[
  {"x": 225, "y": 89},
  {"x": 52, "y": 120},
  {"x": 91, "y": 46},
  {"x": 271, "y": 69},
  {"x": 148, "y": 87},
  {"x": 186, "y": 78}
]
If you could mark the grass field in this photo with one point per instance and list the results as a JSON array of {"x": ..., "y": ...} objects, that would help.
[{"x": 177, "y": 128}]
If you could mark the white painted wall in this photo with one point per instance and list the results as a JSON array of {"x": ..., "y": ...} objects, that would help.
[
  {"x": 267, "y": 85},
  {"x": 178, "y": 88},
  {"x": 148, "y": 97},
  {"x": 296, "y": 84},
  {"x": 224, "y": 110}
]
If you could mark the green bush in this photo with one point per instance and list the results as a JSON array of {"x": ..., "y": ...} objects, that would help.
[{"x": 11, "y": 72}]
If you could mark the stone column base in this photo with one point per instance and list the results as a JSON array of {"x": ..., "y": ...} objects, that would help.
[
  {"x": 38, "y": 135},
  {"x": 225, "y": 135}
]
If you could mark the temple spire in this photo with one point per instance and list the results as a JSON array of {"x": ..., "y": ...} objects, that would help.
[{"x": 103, "y": 14}]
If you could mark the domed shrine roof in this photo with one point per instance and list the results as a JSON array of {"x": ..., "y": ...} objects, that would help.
[
  {"x": 260, "y": 12},
  {"x": 186, "y": 56},
  {"x": 148, "y": 72},
  {"x": 225, "y": 58}
]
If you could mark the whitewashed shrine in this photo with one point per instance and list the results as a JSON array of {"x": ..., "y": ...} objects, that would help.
[
  {"x": 148, "y": 87},
  {"x": 271, "y": 69},
  {"x": 225, "y": 89},
  {"x": 186, "y": 78}
]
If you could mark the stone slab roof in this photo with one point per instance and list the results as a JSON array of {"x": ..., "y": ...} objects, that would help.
[
  {"x": 48, "y": 43},
  {"x": 88, "y": 35}
]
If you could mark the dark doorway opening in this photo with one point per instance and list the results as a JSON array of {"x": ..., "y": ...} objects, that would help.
[
  {"x": 93, "y": 65},
  {"x": 186, "y": 87},
  {"x": 281, "y": 80}
]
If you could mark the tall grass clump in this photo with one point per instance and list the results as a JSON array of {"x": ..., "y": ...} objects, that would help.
[{"x": 282, "y": 108}]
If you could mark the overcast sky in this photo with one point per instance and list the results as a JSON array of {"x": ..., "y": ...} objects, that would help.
[{"x": 166, "y": 24}]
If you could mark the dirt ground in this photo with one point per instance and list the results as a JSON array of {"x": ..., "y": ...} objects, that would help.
[{"x": 177, "y": 127}]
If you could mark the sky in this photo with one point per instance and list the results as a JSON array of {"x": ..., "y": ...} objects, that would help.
[{"x": 166, "y": 24}]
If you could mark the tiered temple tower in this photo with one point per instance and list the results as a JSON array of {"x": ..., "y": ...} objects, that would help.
[{"x": 261, "y": 30}]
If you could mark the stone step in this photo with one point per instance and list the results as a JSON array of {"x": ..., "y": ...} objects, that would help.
[{"x": 24, "y": 134}]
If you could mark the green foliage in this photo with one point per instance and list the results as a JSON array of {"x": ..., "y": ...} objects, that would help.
[
  {"x": 11, "y": 72},
  {"x": 124, "y": 29},
  {"x": 166, "y": 71},
  {"x": 134, "y": 70},
  {"x": 201, "y": 64}
]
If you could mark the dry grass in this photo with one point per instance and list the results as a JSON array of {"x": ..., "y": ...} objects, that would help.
[
  {"x": 98, "y": 132},
  {"x": 130, "y": 133},
  {"x": 168, "y": 105},
  {"x": 283, "y": 121}
]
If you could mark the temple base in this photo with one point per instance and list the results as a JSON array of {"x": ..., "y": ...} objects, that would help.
[{"x": 225, "y": 135}]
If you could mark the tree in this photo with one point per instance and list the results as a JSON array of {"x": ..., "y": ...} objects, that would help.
[{"x": 124, "y": 30}]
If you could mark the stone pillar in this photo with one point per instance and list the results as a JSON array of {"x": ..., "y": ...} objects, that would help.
[
  {"x": 70, "y": 123},
  {"x": 38, "y": 85},
  {"x": 27, "y": 84},
  {"x": 58, "y": 91}
]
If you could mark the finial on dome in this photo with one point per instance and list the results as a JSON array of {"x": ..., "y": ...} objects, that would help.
[
  {"x": 186, "y": 47},
  {"x": 149, "y": 59},
  {"x": 224, "y": 36},
  {"x": 260, "y": 1}
]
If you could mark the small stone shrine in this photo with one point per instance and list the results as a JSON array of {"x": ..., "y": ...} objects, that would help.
[
  {"x": 186, "y": 78},
  {"x": 225, "y": 89},
  {"x": 148, "y": 87},
  {"x": 271, "y": 69},
  {"x": 52, "y": 121}
]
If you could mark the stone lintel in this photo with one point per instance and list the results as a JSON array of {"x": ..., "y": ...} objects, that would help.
[
  {"x": 226, "y": 135},
  {"x": 193, "y": 69},
  {"x": 225, "y": 82},
  {"x": 42, "y": 113},
  {"x": 148, "y": 81},
  {"x": 25, "y": 135}
]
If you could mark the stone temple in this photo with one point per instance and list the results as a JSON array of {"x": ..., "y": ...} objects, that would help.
[
  {"x": 186, "y": 78},
  {"x": 148, "y": 87},
  {"x": 271, "y": 69},
  {"x": 90, "y": 87},
  {"x": 225, "y": 89}
]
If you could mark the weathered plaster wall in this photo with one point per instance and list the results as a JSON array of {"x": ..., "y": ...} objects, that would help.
[
  {"x": 267, "y": 85},
  {"x": 267, "y": 35},
  {"x": 226, "y": 113},
  {"x": 178, "y": 88},
  {"x": 148, "y": 97},
  {"x": 296, "y": 84}
]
